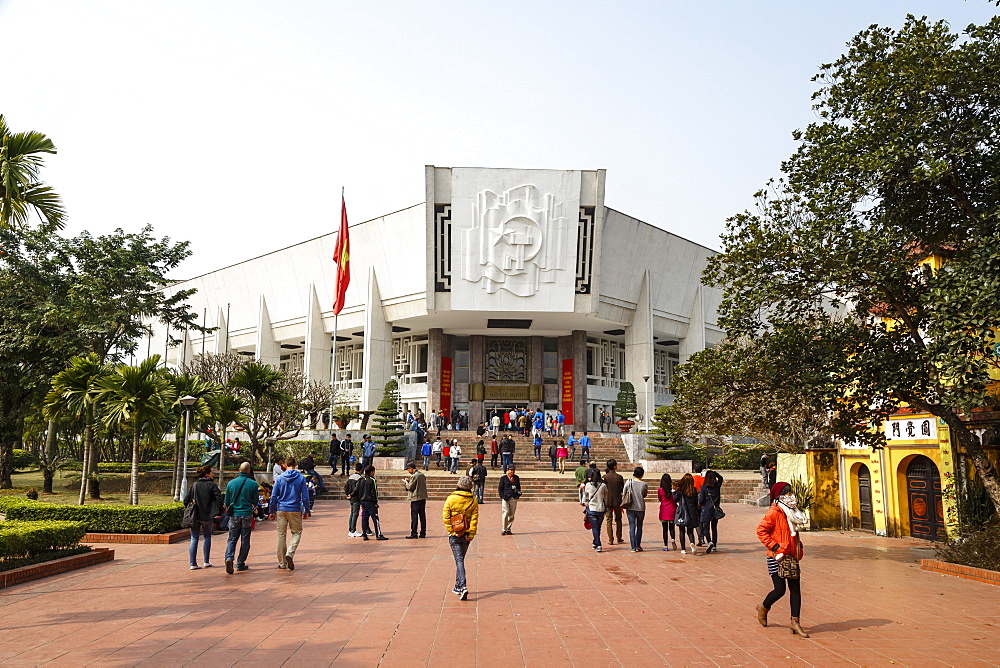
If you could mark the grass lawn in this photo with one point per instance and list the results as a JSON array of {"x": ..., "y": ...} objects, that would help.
[{"x": 67, "y": 489}]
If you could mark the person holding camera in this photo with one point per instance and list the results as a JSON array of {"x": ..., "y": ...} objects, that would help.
[{"x": 510, "y": 492}]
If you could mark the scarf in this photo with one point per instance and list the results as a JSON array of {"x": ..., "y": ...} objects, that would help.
[{"x": 795, "y": 517}]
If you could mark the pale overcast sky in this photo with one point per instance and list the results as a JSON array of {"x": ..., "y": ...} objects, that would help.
[{"x": 235, "y": 124}]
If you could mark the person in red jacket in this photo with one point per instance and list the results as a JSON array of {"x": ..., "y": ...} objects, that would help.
[{"x": 779, "y": 532}]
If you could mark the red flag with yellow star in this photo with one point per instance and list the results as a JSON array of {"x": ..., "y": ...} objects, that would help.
[{"x": 342, "y": 256}]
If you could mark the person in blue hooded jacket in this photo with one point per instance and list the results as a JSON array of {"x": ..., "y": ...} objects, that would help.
[{"x": 290, "y": 504}]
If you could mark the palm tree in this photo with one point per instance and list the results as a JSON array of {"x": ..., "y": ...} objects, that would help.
[
  {"x": 207, "y": 393},
  {"x": 228, "y": 409},
  {"x": 21, "y": 192},
  {"x": 76, "y": 393},
  {"x": 262, "y": 388},
  {"x": 139, "y": 397}
]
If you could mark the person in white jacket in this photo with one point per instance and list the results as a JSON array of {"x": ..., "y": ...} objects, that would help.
[
  {"x": 456, "y": 454},
  {"x": 436, "y": 449},
  {"x": 595, "y": 503}
]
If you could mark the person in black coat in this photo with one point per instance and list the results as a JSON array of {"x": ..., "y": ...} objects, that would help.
[
  {"x": 207, "y": 499},
  {"x": 709, "y": 501},
  {"x": 509, "y": 491}
]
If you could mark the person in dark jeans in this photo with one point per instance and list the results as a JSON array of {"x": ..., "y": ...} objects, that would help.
[
  {"x": 416, "y": 494},
  {"x": 351, "y": 494},
  {"x": 461, "y": 502},
  {"x": 346, "y": 450},
  {"x": 367, "y": 492},
  {"x": 478, "y": 474},
  {"x": 242, "y": 498},
  {"x": 636, "y": 510},
  {"x": 710, "y": 498},
  {"x": 208, "y": 505}
]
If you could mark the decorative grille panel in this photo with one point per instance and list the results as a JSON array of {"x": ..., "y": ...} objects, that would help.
[
  {"x": 349, "y": 366},
  {"x": 506, "y": 361},
  {"x": 584, "y": 250},
  {"x": 442, "y": 248}
]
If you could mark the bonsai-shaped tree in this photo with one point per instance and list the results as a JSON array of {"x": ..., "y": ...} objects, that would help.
[
  {"x": 388, "y": 431},
  {"x": 625, "y": 406},
  {"x": 665, "y": 440}
]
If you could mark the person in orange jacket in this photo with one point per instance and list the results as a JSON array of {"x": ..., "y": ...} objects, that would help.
[{"x": 779, "y": 532}]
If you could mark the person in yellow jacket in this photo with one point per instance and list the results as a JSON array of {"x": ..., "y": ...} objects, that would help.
[{"x": 461, "y": 517}]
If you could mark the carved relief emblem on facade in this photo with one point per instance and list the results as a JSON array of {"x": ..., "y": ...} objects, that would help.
[{"x": 516, "y": 241}]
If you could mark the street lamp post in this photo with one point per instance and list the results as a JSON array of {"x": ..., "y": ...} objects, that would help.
[
  {"x": 187, "y": 402},
  {"x": 645, "y": 379}
]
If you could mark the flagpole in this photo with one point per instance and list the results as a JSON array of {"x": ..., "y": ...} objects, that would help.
[{"x": 333, "y": 361}]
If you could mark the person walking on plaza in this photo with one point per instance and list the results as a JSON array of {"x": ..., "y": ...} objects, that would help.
[
  {"x": 779, "y": 532},
  {"x": 367, "y": 491},
  {"x": 478, "y": 474},
  {"x": 456, "y": 456},
  {"x": 668, "y": 510},
  {"x": 426, "y": 450},
  {"x": 507, "y": 452},
  {"x": 494, "y": 451},
  {"x": 290, "y": 504},
  {"x": 351, "y": 494},
  {"x": 346, "y": 452},
  {"x": 207, "y": 499},
  {"x": 416, "y": 494},
  {"x": 636, "y": 508},
  {"x": 367, "y": 451},
  {"x": 616, "y": 485},
  {"x": 461, "y": 519},
  {"x": 710, "y": 503},
  {"x": 561, "y": 454},
  {"x": 585, "y": 446},
  {"x": 686, "y": 515},
  {"x": 509, "y": 492},
  {"x": 242, "y": 497},
  {"x": 594, "y": 501}
]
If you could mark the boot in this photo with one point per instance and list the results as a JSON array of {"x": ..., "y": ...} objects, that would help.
[
  {"x": 797, "y": 628},
  {"x": 762, "y": 614}
]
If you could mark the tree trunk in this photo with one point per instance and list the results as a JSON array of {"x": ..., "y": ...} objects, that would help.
[
  {"x": 95, "y": 470},
  {"x": 133, "y": 492},
  {"x": 178, "y": 453},
  {"x": 222, "y": 458},
  {"x": 987, "y": 471},
  {"x": 88, "y": 439},
  {"x": 6, "y": 462},
  {"x": 47, "y": 477}
]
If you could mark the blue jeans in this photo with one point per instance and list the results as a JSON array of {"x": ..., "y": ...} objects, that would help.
[
  {"x": 596, "y": 519},
  {"x": 427, "y": 461},
  {"x": 367, "y": 461},
  {"x": 319, "y": 479},
  {"x": 506, "y": 460},
  {"x": 239, "y": 529},
  {"x": 572, "y": 451},
  {"x": 200, "y": 527},
  {"x": 454, "y": 464},
  {"x": 635, "y": 518},
  {"x": 459, "y": 546}
]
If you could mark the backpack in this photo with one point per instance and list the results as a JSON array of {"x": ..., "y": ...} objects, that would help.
[
  {"x": 626, "y": 495},
  {"x": 459, "y": 525}
]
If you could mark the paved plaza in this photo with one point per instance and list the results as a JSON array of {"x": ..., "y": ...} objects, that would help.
[{"x": 540, "y": 597}]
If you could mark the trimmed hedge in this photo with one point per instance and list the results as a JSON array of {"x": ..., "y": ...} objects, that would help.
[
  {"x": 19, "y": 540},
  {"x": 24, "y": 459},
  {"x": 121, "y": 467},
  {"x": 104, "y": 519}
]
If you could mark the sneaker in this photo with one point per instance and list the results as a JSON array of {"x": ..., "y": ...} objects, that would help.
[
  {"x": 229, "y": 566},
  {"x": 195, "y": 567},
  {"x": 710, "y": 549},
  {"x": 456, "y": 591},
  {"x": 364, "y": 536},
  {"x": 208, "y": 565},
  {"x": 240, "y": 569},
  {"x": 351, "y": 534},
  {"x": 598, "y": 548},
  {"x": 464, "y": 595},
  {"x": 666, "y": 549},
  {"x": 632, "y": 549},
  {"x": 683, "y": 551},
  {"x": 289, "y": 562},
  {"x": 381, "y": 538},
  {"x": 638, "y": 549},
  {"x": 411, "y": 536},
  {"x": 282, "y": 566}
]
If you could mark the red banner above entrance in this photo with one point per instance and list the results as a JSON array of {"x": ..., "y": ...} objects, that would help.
[
  {"x": 567, "y": 390},
  {"x": 446, "y": 385}
]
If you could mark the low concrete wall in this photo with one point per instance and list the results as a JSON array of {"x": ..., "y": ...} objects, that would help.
[
  {"x": 665, "y": 465},
  {"x": 635, "y": 446}
]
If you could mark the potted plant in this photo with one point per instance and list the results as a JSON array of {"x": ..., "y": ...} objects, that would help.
[
  {"x": 625, "y": 407},
  {"x": 343, "y": 414}
]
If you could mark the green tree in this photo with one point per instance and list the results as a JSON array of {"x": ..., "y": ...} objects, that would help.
[
  {"x": 666, "y": 441},
  {"x": 625, "y": 404},
  {"x": 77, "y": 392},
  {"x": 21, "y": 192},
  {"x": 136, "y": 398},
  {"x": 901, "y": 164},
  {"x": 388, "y": 431},
  {"x": 272, "y": 408}
]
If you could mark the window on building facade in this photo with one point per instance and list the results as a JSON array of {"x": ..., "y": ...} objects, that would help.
[
  {"x": 461, "y": 363},
  {"x": 349, "y": 366},
  {"x": 409, "y": 357},
  {"x": 605, "y": 362}
]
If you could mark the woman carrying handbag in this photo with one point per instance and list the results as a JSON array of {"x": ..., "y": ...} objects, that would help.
[
  {"x": 595, "y": 504},
  {"x": 779, "y": 532}
]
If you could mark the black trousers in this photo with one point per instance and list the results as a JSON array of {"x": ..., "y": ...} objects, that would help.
[
  {"x": 794, "y": 588},
  {"x": 418, "y": 511},
  {"x": 493, "y": 459},
  {"x": 345, "y": 459}
]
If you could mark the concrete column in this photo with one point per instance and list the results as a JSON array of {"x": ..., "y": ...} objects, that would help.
[
  {"x": 477, "y": 374},
  {"x": 222, "y": 334},
  {"x": 639, "y": 348},
  {"x": 694, "y": 341},
  {"x": 268, "y": 351},
  {"x": 377, "y": 353},
  {"x": 317, "y": 354},
  {"x": 184, "y": 353},
  {"x": 435, "y": 351},
  {"x": 535, "y": 348},
  {"x": 578, "y": 348}
]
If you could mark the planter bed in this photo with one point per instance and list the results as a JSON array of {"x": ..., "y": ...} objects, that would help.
[
  {"x": 138, "y": 538},
  {"x": 968, "y": 572},
  {"x": 65, "y": 564}
]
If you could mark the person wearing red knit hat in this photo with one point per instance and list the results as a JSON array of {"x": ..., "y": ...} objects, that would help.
[{"x": 779, "y": 532}]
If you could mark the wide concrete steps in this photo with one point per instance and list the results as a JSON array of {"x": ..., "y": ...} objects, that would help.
[
  {"x": 748, "y": 492},
  {"x": 391, "y": 487}
]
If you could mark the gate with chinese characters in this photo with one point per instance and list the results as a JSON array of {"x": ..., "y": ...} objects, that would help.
[{"x": 923, "y": 491}]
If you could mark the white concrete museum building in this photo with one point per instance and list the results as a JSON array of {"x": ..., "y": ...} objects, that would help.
[{"x": 506, "y": 287}]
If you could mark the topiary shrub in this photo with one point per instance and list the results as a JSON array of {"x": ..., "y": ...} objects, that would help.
[
  {"x": 28, "y": 539},
  {"x": 103, "y": 519},
  {"x": 23, "y": 459},
  {"x": 664, "y": 442},
  {"x": 388, "y": 431},
  {"x": 625, "y": 405}
]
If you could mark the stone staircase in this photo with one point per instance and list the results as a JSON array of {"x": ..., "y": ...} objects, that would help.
[
  {"x": 390, "y": 487},
  {"x": 748, "y": 492},
  {"x": 602, "y": 448}
]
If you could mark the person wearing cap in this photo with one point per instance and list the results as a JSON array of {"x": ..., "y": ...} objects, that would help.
[
  {"x": 779, "y": 532},
  {"x": 461, "y": 530},
  {"x": 367, "y": 451},
  {"x": 509, "y": 492},
  {"x": 416, "y": 494}
]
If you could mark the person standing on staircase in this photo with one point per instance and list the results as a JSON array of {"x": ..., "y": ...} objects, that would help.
[
  {"x": 585, "y": 448},
  {"x": 495, "y": 425},
  {"x": 507, "y": 452},
  {"x": 425, "y": 451},
  {"x": 456, "y": 456},
  {"x": 494, "y": 451},
  {"x": 346, "y": 452}
]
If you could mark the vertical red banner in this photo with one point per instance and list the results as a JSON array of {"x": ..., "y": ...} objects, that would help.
[
  {"x": 446, "y": 385},
  {"x": 567, "y": 390}
]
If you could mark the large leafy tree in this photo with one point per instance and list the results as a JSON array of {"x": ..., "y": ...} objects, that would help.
[
  {"x": 22, "y": 194},
  {"x": 901, "y": 165}
]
